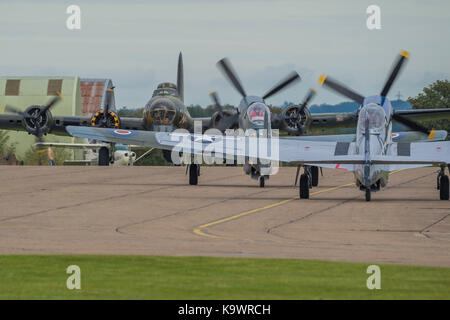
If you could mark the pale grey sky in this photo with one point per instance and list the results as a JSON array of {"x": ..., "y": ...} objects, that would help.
[{"x": 136, "y": 43}]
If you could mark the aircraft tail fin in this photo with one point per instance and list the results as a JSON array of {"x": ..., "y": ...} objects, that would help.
[{"x": 180, "y": 78}]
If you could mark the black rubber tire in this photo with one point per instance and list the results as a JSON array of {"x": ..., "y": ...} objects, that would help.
[
  {"x": 261, "y": 182},
  {"x": 314, "y": 176},
  {"x": 444, "y": 188},
  {"x": 193, "y": 174},
  {"x": 368, "y": 194},
  {"x": 167, "y": 154},
  {"x": 304, "y": 186},
  {"x": 103, "y": 156}
]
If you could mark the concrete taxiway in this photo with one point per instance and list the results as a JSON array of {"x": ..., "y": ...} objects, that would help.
[{"x": 152, "y": 210}]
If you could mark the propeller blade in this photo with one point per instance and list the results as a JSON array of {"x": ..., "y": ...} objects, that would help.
[
  {"x": 52, "y": 102},
  {"x": 283, "y": 84},
  {"x": 227, "y": 122},
  {"x": 225, "y": 66},
  {"x": 340, "y": 88},
  {"x": 311, "y": 93},
  {"x": 215, "y": 98},
  {"x": 395, "y": 71},
  {"x": 10, "y": 109},
  {"x": 411, "y": 124}
]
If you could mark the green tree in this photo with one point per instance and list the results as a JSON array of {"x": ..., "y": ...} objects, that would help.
[
  {"x": 436, "y": 96},
  {"x": 5, "y": 147}
]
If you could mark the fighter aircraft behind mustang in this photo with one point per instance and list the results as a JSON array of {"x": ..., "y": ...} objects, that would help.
[{"x": 371, "y": 156}]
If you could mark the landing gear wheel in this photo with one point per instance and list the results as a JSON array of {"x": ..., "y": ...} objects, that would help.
[
  {"x": 444, "y": 188},
  {"x": 193, "y": 174},
  {"x": 367, "y": 194},
  {"x": 304, "y": 186},
  {"x": 261, "y": 182},
  {"x": 314, "y": 176},
  {"x": 103, "y": 156}
]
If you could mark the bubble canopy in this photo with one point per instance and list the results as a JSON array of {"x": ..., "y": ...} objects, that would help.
[
  {"x": 256, "y": 113},
  {"x": 376, "y": 118}
]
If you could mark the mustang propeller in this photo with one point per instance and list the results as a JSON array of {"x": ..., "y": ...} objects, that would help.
[
  {"x": 353, "y": 95},
  {"x": 228, "y": 121}
]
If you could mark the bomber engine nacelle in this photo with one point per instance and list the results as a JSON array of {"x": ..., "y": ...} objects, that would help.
[
  {"x": 295, "y": 120},
  {"x": 37, "y": 121},
  {"x": 105, "y": 119},
  {"x": 216, "y": 117}
]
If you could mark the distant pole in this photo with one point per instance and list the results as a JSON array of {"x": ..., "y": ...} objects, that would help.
[{"x": 399, "y": 95}]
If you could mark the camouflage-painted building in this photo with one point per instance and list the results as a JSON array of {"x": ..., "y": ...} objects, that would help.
[{"x": 81, "y": 97}]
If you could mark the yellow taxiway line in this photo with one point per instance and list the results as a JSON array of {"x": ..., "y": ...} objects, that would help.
[{"x": 199, "y": 229}]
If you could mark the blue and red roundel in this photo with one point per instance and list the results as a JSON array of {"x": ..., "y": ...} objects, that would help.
[{"x": 123, "y": 133}]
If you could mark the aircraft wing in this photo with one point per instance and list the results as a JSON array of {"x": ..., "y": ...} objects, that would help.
[
  {"x": 401, "y": 136},
  {"x": 330, "y": 121},
  {"x": 220, "y": 146},
  {"x": 416, "y": 153},
  {"x": 287, "y": 150},
  {"x": 70, "y": 145},
  {"x": 10, "y": 121},
  {"x": 206, "y": 121},
  {"x": 425, "y": 114}
]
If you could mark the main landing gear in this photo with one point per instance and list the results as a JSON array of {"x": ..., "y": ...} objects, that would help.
[
  {"x": 314, "y": 176},
  {"x": 368, "y": 194},
  {"x": 443, "y": 184},
  {"x": 261, "y": 181},
  {"x": 194, "y": 172},
  {"x": 106, "y": 156},
  {"x": 309, "y": 177}
]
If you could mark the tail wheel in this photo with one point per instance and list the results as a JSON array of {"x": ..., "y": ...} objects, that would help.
[
  {"x": 103, "y": 156},
  {"x": 314, "y": 176},
  {"x": 193, "y": 174},
  {"x": 304, "y": 186},
  {"x": 368, "y": 194},
  {"x": 444, "y": 188}
]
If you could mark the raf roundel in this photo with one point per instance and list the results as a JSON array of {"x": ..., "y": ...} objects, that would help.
[{"x": 123, "y": 133}]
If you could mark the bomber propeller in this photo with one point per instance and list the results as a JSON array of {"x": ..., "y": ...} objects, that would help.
[
  {"x": 294, "y": 115},
  {"x": 225, "y": 121},
  {"x": 35, "y": 116}
]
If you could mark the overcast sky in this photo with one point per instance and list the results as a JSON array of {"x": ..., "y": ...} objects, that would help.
[{"x": 136, "y": 44}]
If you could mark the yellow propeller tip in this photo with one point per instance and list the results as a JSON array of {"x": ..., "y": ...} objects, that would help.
[
  {"x": 59, "y": 95},
  {"x": 313, "y": 90},
  {"x": 4, "y": 108},
  {"x": 432, "y": 134},
  {"x": 322, "y": 79},
  {"x": 405, "y": 53},
  {"x": 212, "y": 91},
  {"x": 109, "y": 89}
]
